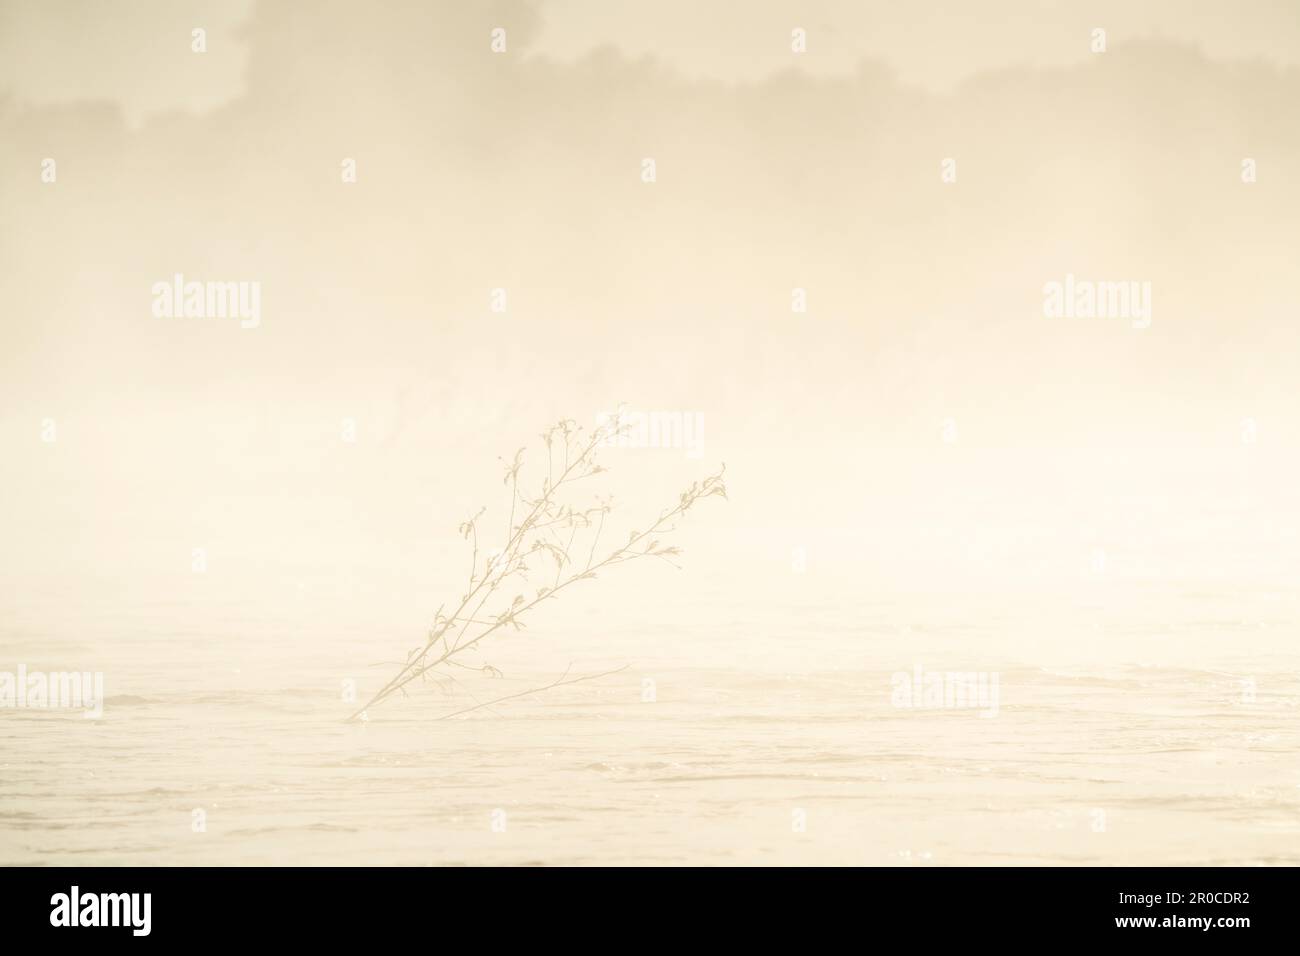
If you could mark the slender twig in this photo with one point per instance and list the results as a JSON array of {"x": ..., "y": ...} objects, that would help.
[
  {"x": 560, "y": 682},
  {"x": 454, "y": 634}
]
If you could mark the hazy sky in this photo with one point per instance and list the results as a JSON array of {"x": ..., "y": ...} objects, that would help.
[{"x": 924, "y": 352}]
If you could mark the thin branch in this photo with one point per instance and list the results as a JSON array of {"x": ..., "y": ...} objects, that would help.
[
  {"x": 560, "y": 682},
  {"x": 451, "y": 635}
]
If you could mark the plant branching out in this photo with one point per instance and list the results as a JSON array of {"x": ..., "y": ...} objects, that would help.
[{"x": 550, "y": 544}]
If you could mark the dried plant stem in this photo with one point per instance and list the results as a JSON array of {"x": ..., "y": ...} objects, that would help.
[
  {"x": 559, "y": 682},
  {"x": 453, "y": 635}
]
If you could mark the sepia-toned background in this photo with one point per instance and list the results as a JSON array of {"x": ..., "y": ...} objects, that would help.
[{"x": 838, "y": 267}]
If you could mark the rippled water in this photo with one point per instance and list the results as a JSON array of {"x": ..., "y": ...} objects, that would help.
[{"x": 758, "y": 724}]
